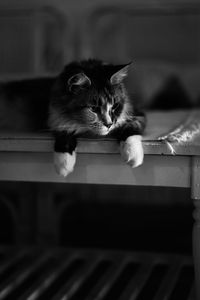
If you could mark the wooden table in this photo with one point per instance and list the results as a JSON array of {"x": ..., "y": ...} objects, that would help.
[{"x": 29, "y": 157}]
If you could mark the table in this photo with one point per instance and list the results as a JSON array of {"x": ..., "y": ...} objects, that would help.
[{"x": 29, "y": 157}]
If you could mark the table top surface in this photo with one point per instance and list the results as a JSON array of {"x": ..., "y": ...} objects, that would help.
[
  {"x": 28, "y": 157},
  {"x": 160, "y": 127}
]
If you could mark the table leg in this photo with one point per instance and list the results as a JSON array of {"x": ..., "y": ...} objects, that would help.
[{"x": 195, "y": 195}]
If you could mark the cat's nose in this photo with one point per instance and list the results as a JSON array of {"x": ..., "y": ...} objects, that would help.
[
  {"x": 108, "y": 125},
  {"x": 107, "y": 121}
]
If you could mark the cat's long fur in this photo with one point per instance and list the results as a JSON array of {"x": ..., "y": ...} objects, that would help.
[{"x": 90, "y": 98}]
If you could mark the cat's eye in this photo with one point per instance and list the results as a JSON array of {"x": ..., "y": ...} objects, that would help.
[
  {"x": 115, "y": 106},
  {"x": 95, "y": 109}
]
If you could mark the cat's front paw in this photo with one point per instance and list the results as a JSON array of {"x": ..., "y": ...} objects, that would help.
[
  {"x": 64, "y": 163},
  {"x": 132, "y": 151}
]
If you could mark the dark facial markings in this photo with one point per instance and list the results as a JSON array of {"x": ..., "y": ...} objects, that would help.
[
  {"x": 107, "y": 107},
  {"x": 102, "y": 107}
]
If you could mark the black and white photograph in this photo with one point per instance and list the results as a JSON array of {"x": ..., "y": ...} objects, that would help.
[{"x": 100, "y": 150}]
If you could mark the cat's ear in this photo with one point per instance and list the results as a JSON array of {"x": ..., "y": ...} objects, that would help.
[
  {"x": 120, "y": 73},
  {"x": 77, "y": 81}
]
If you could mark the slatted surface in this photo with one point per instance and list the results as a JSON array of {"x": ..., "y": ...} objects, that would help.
[{"x": 90, "y": 274}]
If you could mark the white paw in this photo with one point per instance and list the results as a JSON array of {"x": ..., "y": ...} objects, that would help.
[
  {"x": 132, "y": 150},
  {"x": 64, "y": 162}
]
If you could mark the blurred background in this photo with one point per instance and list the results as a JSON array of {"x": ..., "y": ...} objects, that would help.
[{"x": 162, "y": 39}]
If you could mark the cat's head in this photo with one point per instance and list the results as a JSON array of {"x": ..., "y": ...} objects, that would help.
[{"x": 91, "y": 97}]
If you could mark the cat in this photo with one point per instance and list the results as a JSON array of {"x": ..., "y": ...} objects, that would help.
[{"x": 89, "y": 98}]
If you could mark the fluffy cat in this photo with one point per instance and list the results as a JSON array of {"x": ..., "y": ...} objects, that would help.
[{"x": 89, "y": 97}]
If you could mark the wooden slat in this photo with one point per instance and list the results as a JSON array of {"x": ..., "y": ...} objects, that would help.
[
  {"x": 60, "y": 281},
  {"x": 33, "y": 291},
  {"x": 102, "y": 290},
  {"x": 74, "y": 283},
  {"x": 138, "y": 282},
  {"x": 169, "y": 281},
  {"x": 37, "y": 290},
  {"x": 20, "y": 277},
  {"x": 93, "y": 279}
]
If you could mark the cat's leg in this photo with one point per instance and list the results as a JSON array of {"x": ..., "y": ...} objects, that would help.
[
  {"x": 129, "y": 136},
  {"x": 64, "y": 153}
]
